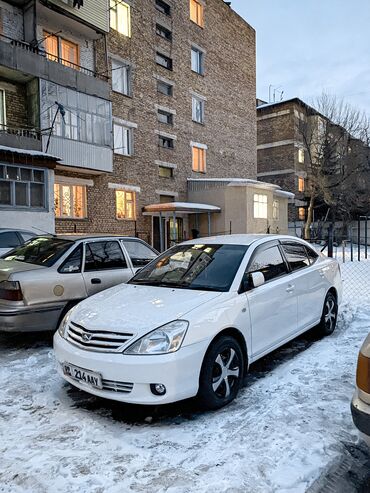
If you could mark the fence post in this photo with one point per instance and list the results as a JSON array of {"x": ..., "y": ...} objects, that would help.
[
  {"x": 351, "y": 244},
  {"x": 330, "y": 240},
  {"x": 359, "y": 239},
  {"x": 366, "y": 218}
]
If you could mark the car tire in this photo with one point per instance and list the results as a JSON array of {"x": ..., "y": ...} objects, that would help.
[
  {"x": 329, "y": 316},
  {"x": 221, "y": 375}
]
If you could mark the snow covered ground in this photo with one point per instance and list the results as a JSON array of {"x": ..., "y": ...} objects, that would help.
[{"x": 289, "y": 423}]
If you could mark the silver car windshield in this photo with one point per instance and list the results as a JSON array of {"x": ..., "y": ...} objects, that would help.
[
  {"x": 40, "y": 251},
  {"x": 201, "y": 267}
]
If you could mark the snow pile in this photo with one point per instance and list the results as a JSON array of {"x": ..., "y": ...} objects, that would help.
[{"x": 286, "y": 426}]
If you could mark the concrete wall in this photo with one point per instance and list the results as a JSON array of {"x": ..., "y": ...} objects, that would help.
[{"x": 11, "y": 21}]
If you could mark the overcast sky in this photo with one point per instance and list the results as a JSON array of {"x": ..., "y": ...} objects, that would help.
[{"x": 307, "y": 46}]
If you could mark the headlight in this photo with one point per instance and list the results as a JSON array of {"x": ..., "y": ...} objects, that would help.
[
  {"x": 62, "y": 329},
  {"x": 165, "y": 339}
]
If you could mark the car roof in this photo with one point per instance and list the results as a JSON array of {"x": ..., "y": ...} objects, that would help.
[
  {"x": 77, "y": 237},
  {"x": 241, "y": 239},
  {"x": 5, "y": 230}
]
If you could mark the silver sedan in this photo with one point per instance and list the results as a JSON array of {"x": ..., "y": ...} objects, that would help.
[{"x": 42, "y": 279}]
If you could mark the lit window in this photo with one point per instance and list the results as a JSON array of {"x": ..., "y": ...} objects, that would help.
[
  {"x": 165, "y": 172},
  {"x": 198, "y": 109},
  {"x": 121, "y": 74},
  {"x": 165, "y": 88},
  {"x": 125, "y": 205},
  {"x": 2, "y": 108},
  {"x": 197, "y": 12},
  {"x": 301, "y": 155},
  {"x": 199, "y": 159},
  {"x": 197, "y": 60},
  {"x": 275, "y": 209},
  {"x": 120, "y": 17},
  {"x": 165, "y": 117},
  {"x": 61, "y": 50},
  {"x": 163, "y": 60},
  {"x": 70, "y": 201},
  {"x": 260, "y": 206},
  {"x": 122, "y": 136},
  {"x": 163, "y": 7},
  {"x": 22, "y": 187},
  {"x": 301, "y": 213},
  {"x": 300, "y": 184}
]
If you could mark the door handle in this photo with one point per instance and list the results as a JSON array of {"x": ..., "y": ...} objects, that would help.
[
  {"x": 290, "y": 288},
  {"x": 95, "y": 280}
]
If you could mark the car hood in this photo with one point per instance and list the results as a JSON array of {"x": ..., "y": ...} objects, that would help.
[
  {"x": 9, "y": 267},
  {"x": 137, "y": 309}
]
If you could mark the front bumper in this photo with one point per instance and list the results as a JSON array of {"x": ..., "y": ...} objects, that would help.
[
  {"x": 29, "y": 319},
  {"x": 178, "y": 371},
  {"x": 361, "y": 414}
]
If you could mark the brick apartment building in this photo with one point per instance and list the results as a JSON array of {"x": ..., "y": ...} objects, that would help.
[{"x": 281, "y": 155}]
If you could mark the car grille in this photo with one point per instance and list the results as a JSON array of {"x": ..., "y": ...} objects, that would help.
[
  {"x": 97, "y": 340},
  {"x": 113, "y": 386}
]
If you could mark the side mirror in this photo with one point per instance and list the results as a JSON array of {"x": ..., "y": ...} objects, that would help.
[{"x": 257, "y": 279}]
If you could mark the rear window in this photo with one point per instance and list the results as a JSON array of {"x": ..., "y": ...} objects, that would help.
[
  {"x": 40, "y": 251},
  {"x": 9, "y": 239},
  {"x": 296, "y": 255}
]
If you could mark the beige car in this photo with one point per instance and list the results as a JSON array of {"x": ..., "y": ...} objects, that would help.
[
  {"x": 360, "y": 405},
  {"x": 42, "y": 279}
]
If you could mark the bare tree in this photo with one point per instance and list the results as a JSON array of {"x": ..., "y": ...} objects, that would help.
[{"x": 336, "y": 140}]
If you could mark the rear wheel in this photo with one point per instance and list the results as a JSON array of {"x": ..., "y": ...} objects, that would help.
[
  {"x": 222, "y": 373},
  {"x": 329, "y": 316}
]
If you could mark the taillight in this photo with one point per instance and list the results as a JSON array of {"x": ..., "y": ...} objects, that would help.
[
  {"x": 10, "y": 291},
  {"x": 363, "y": 373}
]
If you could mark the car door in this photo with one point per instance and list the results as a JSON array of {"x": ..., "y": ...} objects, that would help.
[
  {"x": 105, "y": 265},
  {"x": 309, "y": 282},
  {"x": 273, "y": 305},
  {"x": 139, "y": 253}
]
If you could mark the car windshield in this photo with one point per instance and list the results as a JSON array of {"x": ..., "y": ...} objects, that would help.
[
  {"x": 203, "y": 267},
  {"x": 40, "y": 251}
]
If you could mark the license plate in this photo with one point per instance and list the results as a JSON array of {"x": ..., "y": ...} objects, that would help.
[{"x": 81, "y": 375}]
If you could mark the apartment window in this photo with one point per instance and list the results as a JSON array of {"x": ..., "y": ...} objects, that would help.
[
  {"x": 275, "y": 210},
  {"x": 87, "y": 118},
  {"x": 163, "y": 60},
  {"x": 165, "y": 172},
  {"x": 198, "y": 109},
  {"x": 120, "y": 17},
  {"x": 163, "y": 7},
  {"x": 22, "y": 187},
  {"x": 197, "y": 12},
  {"x": 301, "y": 155},
  {"x": 122, "y": 136},
  {"x": 260, "y": 206},
  {"x": 2, "y": 108},
  {"x": 301, "y": 213},
  {"x": 70, "y": 201},
  {"x": 164, "y": 88},
  {"x": 121, "y": 77},
  {"x": 166, "y": 142},
  {"x": 125, "y": 205},
  {"x": 199, "y": 159},
  {"x": 61, "y": 50},
  {"x": 163, "y": 32},
  {"x": 301, "y": 184},
  {"x": 197, "y": 60},
  {"x": 165, "y": 117}
]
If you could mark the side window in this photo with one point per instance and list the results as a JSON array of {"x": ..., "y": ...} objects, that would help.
[
  {"x": 312, "y": 255},
  {"x": 73, "y": 263},
  {"x": 102, "y": 255},
  {"x": 139, "y": 253},
  {"x": 296, "y": 255},
  {"x": 9, "y": 239},
  {"x": 269, "y": 262}
]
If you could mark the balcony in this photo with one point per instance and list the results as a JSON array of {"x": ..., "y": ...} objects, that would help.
[
  {"x": 21, "y": 61},
  {"x": 21, "y": 138}
]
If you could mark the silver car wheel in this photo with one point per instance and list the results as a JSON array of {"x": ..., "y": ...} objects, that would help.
[
  {"x": 330, "y": 314},
  {"x": 225, "y": 372}
]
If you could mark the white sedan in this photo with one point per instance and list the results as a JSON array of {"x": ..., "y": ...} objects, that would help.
[{"x": 190, "y": 322}]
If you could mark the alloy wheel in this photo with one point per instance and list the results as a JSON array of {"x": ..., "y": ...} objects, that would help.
[
  {"x": 330, "y": 314},
  {"x": 225, "y": 372}
]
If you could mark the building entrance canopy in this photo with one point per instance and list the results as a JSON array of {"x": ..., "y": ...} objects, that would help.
[{"x": 173, "y": 209}]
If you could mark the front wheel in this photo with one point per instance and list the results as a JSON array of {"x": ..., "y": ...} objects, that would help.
[
  {"x": 222, "y": 373},
  {"x": 329, "y": 316}
]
